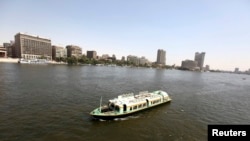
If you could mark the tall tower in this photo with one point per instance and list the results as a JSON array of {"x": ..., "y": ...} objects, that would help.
[
  {"x": 199, "y": 57},
  {"x": 161, "y": 57}
]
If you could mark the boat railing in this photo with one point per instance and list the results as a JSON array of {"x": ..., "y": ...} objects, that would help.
[
  {"x": 126, "y": 95},
  {"x": 143, "y": 92},
  {"x": 143, "y": 95},
  {"x": 136, "y": 100}
]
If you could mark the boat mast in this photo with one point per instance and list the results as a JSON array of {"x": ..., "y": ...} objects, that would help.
[{"x": 101, "y": 104}]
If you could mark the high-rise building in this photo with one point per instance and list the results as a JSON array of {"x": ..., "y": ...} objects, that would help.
[
  {"x": 199, "y": 57},
  {"x": 32, "y": 47},
  {"x": 91, "y": 54},
  {"x": 73, "y": 50},
  {"x": 236, "y": 70},
  {"x": 161, "y": 57}
]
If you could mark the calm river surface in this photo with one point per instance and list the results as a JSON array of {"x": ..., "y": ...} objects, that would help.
[{"x": 52, "y": 103}]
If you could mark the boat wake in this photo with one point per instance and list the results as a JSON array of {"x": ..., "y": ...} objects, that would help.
[{"x": 120, "y": 119}]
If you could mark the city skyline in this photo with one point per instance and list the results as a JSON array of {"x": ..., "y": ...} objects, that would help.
[{"x": 219, "y": 28}]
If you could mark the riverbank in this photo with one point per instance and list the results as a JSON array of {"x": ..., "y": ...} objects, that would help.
[
  {"x": 8, "y": 60},
  {"x": 14, "y": 60}
]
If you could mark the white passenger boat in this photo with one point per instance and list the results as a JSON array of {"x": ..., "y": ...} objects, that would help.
[
  {"x": 32, "y": 61},
  {"x": 127, "y": 104}
]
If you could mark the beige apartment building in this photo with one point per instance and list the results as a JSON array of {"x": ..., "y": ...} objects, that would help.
[
  {"x": 58, "y": 52},
  {"x": 189, "y": 64},
  {"x": 73, "y": 50},
  {"x": 92, "y": 54},
  {"x": 32, "y": 47}
]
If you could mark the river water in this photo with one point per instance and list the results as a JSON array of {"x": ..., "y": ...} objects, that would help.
[{"x": 52, "y": 103}]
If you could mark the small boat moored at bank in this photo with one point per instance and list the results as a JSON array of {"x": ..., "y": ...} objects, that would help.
[
  {"x": 127, "y": 104},
  {"x": 33, "y": 61}
]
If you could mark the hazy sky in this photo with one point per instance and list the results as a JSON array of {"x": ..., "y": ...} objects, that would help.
[{"x": 221, "y": 28}]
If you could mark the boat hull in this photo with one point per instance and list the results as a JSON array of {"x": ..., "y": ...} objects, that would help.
[{"x": 123, "y": 115}]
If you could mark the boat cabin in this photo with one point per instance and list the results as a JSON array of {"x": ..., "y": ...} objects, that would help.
[{"x": 130, "y": 102}]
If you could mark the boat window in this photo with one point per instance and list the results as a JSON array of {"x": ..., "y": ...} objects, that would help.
[
  {"x": 124, "y": 107},
  {"x": 111, "y": 106},
  {"x": 135, "y": 107},
  {"x": 117, "y": 108},
  {"x": 130, "y": 108},
  {"x": 144, "y": 105},
  {"x": 139, "y": 106}
]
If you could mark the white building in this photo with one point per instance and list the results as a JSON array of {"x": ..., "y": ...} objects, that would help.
[{"x": 58, "y": 52}]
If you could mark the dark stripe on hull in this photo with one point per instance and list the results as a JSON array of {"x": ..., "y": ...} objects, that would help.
[{"x": 111, "y": 117}]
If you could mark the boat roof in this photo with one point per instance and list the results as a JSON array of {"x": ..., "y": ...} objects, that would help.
[{"x": 131, "y": 99}]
